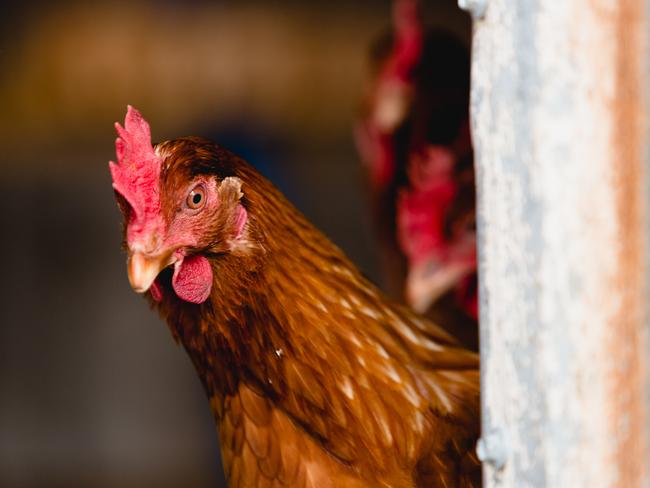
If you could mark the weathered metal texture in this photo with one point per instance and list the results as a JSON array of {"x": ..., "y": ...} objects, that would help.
[{"x": 558, "y": 109}]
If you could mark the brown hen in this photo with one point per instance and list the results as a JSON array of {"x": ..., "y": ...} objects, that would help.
[{"x": 314, "y": 377}]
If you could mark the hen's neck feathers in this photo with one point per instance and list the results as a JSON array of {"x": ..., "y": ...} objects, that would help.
[{"x": 290, "y": 282}]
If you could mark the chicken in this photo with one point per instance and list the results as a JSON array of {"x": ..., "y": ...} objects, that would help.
[
  {"x": 414, "y": 140},
  {"x": 314, "y": 377}
]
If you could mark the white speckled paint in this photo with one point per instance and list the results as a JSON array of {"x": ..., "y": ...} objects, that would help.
[{"x": 555, "y": 278}]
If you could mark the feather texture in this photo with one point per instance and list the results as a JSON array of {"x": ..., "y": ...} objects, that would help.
[{"x": 315, "y": 378}]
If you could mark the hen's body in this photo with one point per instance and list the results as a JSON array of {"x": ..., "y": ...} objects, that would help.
[{"x": 315, "y": 378}]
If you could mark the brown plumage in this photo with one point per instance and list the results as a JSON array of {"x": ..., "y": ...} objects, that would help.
[{"x": 315, "y": 378}]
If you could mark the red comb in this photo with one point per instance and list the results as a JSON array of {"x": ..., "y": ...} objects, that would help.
[
  {"x": 136, "y": 175},
  {"x": 408, "y": 38}
]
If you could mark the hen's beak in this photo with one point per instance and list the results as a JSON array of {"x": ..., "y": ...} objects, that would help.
[
  {"x": 143, "y": 268},
  {"x": 430, "y": 280}
]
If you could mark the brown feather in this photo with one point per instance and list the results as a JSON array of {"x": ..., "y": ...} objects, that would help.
[{"x": 315, "y": 378}]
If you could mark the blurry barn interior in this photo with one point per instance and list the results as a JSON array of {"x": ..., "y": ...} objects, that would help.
[{"x": 93, "y": 390}]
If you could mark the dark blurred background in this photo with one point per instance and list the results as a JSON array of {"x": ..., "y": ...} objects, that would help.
[{"x": 93, "y": 390}]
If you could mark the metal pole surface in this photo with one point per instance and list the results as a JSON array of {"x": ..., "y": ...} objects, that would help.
[{"x": 558, "y": 124}]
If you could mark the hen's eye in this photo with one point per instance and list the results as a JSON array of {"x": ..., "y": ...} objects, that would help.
[{"x": 196, "y": 198}]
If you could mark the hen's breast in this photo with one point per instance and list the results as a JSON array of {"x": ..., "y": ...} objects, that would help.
[{"x": 262, "y": 446}]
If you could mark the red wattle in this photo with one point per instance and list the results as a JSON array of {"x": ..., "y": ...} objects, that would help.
[{"x": 192, "y": 280}]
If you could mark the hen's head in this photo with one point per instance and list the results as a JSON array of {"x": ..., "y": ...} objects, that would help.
[{"x": 177, "y": 210}]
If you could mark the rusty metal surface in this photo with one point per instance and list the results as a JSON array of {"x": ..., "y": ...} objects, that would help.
[{"x": 558, "y": 124}]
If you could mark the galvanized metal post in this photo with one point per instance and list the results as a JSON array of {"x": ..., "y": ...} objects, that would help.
[{"x": 558, "y": 121}]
